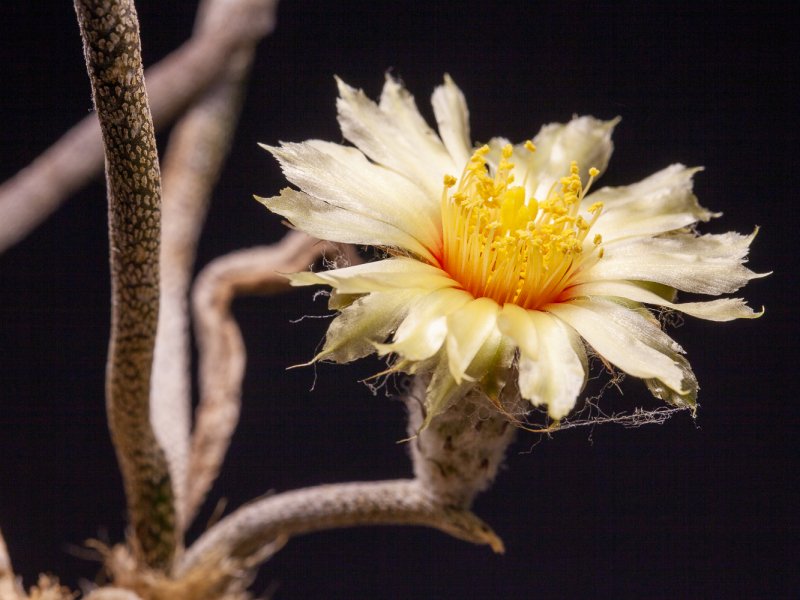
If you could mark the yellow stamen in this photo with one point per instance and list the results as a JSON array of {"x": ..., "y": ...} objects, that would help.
[{"x": 500, "y": 244}]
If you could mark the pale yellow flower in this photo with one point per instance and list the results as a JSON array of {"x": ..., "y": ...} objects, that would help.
[{"x": 501, "y": 264}]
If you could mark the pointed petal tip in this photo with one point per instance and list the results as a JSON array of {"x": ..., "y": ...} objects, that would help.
[
  {"x": 305, "y": 364},
  {"x": 390, "y": 78},
  {"x": 557, "y": 413},
  {"x": 607, "y": 125},
  {"x": 392, "y": 85},
  {"x": 345, "y": 90}
]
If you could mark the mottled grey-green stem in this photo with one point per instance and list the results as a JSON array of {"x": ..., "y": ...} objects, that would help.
[
  {"x": 246, "y": 531},
  {"x": 458, "y": 454},
  {"x": 110, "y": 32}
]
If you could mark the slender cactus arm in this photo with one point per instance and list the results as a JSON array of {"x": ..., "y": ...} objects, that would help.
[
  {"x": 112, "y": 593},
  {"x": 221, "y": 348},
  {"x": 30, "y": 196},
  {"x": 9, "y": 587},
  {"x": 196, "y": 153},
  {"x": 398, "y": 502},
  {"x": 110, "y": 33}
]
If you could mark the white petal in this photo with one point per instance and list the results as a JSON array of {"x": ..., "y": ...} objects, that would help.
[
  {"x": 467, "y": 330},
  {"x": 442, "y": 391},
  {"x": 329, "y": 222},
  {"x": 367, "y": 321},
  {"x": 394, "y": 134},
  {"x": 709, "y": 264},
  {"x": 723, "y": 309},
  {"x": 452, "y": 117},
  {"x": 625, "y": 338},
  {"x": 555, "y": 374},
  {"x": 423, "y": 331},
  {"x": 516, "y": 322},
  {"x": 382, "y": 275},
  {"x": 343, "y": 177},
  {"x": 584, "y": 139},
  {"x": 662, "y": 202},
  {"x": 494, "y": 371},
  {"x": 493, "y": 356}
]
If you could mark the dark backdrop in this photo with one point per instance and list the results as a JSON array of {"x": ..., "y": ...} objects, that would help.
[{"x": 687, "y": 509}]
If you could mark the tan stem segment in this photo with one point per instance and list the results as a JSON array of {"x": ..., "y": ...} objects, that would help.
[
  {"x": 112, "y": 593},
  {"x": 31, "y": 195},
  {"x": 401, "y": 502},
  {"x": 110, "y": 32},
  {"x": 197, "y": 149},
  {"x": 8, "y": 584},
  {"x": 221, "y": 348}
]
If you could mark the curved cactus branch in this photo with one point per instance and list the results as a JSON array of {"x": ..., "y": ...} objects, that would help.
[
  {"x": 112, "y": 593},
  {"x": 197, "y": 149},
  {"x": 220, "y": 345},
  {"x": 110, "y": 32},
  {"x": 31, "y": 195},
  {"x": 8, "y": 583},
  {"x": 401, "y": 502}
]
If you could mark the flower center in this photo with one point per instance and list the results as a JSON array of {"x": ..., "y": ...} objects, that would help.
[{"x": 504, "y": 246}]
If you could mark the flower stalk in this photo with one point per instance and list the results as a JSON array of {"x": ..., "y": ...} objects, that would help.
[{"x": 457, "y": 455}]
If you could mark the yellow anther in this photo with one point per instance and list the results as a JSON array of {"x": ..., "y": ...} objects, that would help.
[
  {"x": 593, "y": 172},
  {"x": 598, "y": 239},
  {"x": 502, "y": 245},
  {"x": 529, "y": 146}
]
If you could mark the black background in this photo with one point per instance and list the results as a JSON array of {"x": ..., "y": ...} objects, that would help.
[{"x": 687, "y": 509}]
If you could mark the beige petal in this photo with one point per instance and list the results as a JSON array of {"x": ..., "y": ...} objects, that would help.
[
  {"x": 556, "y": 375},
  {"x": 467, "y": 330},
  {"x": 394, "y": 134},
  {"x": 584, "y": 139},
  {"x": 723, "y": 309},
  {"x": 625, "y": 338},
  {"x": 444, "y": 388},
  {"x": 516, "y": 322},
  {"x": 364, "y": 323},
  {"x": 452, "y": 118},
  {"x": 329, "y": 222},
  {"x": 342, "y": 177},
  {"x": 378, "y": 276},
  {"x": 660, "y": 203},
  {"x": 423, "y": 331},
  {"x": 709, "y": 264}
]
